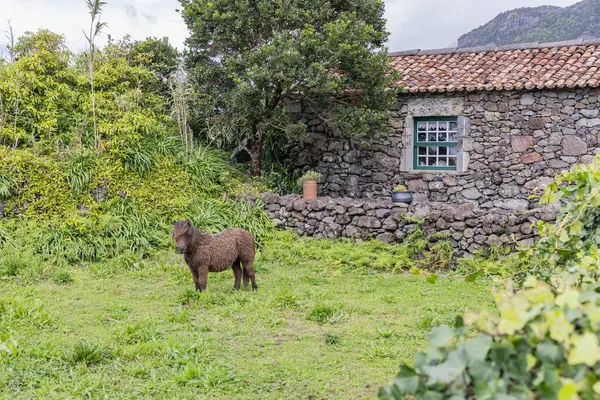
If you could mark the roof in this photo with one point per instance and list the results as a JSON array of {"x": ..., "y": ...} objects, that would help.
[{"x": 573, "y": 64}]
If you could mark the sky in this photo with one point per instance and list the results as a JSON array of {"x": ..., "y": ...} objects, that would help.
[{"x": 413, "y": 24}]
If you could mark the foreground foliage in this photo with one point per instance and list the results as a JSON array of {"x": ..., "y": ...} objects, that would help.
[
  {"x": 546, "y": 342},
  {"x": 545, "y": 345}
]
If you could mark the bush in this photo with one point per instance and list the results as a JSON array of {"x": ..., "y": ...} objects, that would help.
[
  {"x": 545, "y": 345},
  {"x": 573, "y": 240}
]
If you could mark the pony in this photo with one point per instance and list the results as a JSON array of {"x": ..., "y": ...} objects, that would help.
[{"x": 204, "y": 253}]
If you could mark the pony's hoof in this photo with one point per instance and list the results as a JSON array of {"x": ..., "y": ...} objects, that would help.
[{"x": 254, "y": 289}]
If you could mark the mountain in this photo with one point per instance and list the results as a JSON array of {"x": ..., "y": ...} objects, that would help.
[{"x": 538, "y": 24}]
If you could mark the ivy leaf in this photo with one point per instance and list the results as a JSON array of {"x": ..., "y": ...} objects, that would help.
[
  {"x": 440, "y": 336},
  {"x": 477, "y": 349},
  {"x": 585, "y": 349},
  {"x": 432, "y": 279},
  {"x": 474, "y": 276},
  {"x": 407, "y": 381},
  {"x": 483, "y": 372},
  {"x": 576, "y": 228},
  {"x": 548, "y": 352},
  {"x": 448, "y": 371},
  {"x": 568, "y": 391}
]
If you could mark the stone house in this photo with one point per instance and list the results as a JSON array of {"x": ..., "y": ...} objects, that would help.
[{"x": 486, "y": 126}]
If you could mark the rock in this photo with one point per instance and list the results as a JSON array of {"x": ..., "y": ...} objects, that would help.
[
  {"x": 557, "y": 164},
  {"x": 539, "y": 184},
  {"x": 573, "y": 146},
  {"x": 300, "y": 205},
  {"x": 536, "y": 124},
  {"x": 520, "y": 144},
  {"x": 382, "y": 213},
  {"x": 355, "y": 211},
  {"x": 527, "y": 99},
  {"x": 390, "y": 224},
  {"x": 589, "y": 113},
  {"x": 343, "y": 219},
  {"x": 386, "y": 238},
  {"x": 509, "y": 191},
  {"x": 531, "y": 158},
  {"x": 512, "y": 204},
  {"x": 471, "y": 194},
  {"x": 368, "y": 222}
]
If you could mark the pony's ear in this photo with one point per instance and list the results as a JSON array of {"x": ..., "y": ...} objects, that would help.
[{"x": 187, "y": 223}]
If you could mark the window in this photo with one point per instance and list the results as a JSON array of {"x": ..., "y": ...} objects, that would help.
[{"x": 435, "y": 143}]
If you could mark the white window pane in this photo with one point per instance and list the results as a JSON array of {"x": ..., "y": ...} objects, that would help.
[{"x": 452, "y": 161}]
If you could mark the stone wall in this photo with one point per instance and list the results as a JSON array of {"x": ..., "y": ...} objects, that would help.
[
  {"x": 469, "y": 228},
  {"x": 511, "y": 143}
]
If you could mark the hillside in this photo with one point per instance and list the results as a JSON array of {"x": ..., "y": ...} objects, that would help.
[{"x": 538, "y": 24}]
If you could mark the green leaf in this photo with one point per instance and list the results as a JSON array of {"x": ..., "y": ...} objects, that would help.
[
  {"x": 440, "y": 336},
  {"x": 474, "y": 276},
  {"x": 548, "y": 352},
  {"x": 576, "y": 228},
  {"x": 585, "y": 350},
  {"x": 483, "y": 372},
  {"x": 448, "y": 371},
  {"x": 568, "y": 391},
  {"x": 430, "y": 395},
  {"x": 407, "y": 380},
  {"x": 476, "y": 349},
  {"x": 432, "y": 279}
]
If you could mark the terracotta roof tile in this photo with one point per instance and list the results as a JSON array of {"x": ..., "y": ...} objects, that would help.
[{"x": 553, "y": 66}]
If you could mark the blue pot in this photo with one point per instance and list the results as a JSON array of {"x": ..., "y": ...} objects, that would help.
[{"x": 402, "y": 197}]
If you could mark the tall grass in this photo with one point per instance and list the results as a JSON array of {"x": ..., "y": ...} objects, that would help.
[
  {"x": 78, "y": 170},
  {"x": 6, "y": 184}
]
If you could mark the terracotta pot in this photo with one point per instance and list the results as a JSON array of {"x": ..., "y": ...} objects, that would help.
[
  {"x": 402, "y": 197},
  {"x": 310, "y": 190}
]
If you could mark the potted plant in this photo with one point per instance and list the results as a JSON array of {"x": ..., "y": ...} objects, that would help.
[
  {"x": 400, "y": 194},
  {"x": 309, "y": 184}
]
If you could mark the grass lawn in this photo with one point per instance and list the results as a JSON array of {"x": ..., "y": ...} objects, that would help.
[{"x": 316, "y": 329}]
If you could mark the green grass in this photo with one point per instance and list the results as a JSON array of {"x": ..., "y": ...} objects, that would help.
[{"x": 316, "y": 329}]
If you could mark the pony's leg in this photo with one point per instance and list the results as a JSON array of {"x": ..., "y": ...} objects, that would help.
[
  {"x": 202, "y": 278},
  {"x": 195, "y": 277},
  {"x": 249, "y": 273},
  {"x": 237, "y": 272}
]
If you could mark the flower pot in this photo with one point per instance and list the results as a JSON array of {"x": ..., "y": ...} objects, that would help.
[
  {"x": 402, "y": 197},
  {"x": 310, "y": 190}
]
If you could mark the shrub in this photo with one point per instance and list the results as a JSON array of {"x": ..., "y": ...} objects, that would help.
[
  {"x": 573, "y": 240},
  {"x": 544, "y": 345},
  {"x": 62, "y": 278}
]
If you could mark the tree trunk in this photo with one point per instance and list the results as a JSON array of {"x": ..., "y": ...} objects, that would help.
[{"x": 255, "y": 151}]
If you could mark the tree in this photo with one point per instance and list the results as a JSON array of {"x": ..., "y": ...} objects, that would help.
[
  {"x": 95, "y": 10},
  {"x": 38, "y": 90},
  {"x": 250, "y": 58}
]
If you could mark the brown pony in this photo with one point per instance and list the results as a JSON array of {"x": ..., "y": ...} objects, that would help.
[{"x": 205, "y": 253}]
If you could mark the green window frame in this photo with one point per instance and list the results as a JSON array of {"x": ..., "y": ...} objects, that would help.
[{"x": 435, "y": 144}]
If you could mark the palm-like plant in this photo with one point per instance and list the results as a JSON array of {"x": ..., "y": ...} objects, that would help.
[{"x": 95, "y": 10}]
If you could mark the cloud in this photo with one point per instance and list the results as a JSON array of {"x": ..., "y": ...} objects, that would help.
[
  {"x": 131, "y": 12},
  {"x": 413, "y": 23}
]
